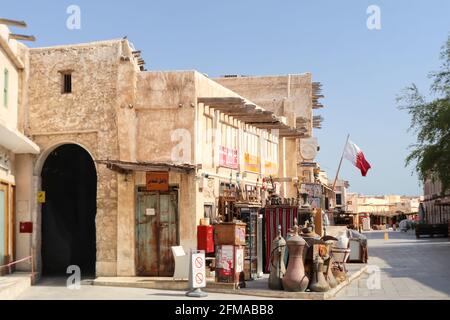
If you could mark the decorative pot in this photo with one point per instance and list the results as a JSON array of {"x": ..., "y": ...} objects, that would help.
[
  {"x": 295, "y": 278},
  {"x": 318, "y": 281},
  {"x": 277, "y": 266}
]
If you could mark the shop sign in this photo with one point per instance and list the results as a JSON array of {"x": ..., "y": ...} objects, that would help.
[
  {"x": 251, "y": 163},
  {"x": 157, "y": 181},
  {"x": 228, "y": 157},
  {"x": 225, "y": 255},
  {"x": 314, "y": 202},
  {"x": 239, "y": 260},
  {"x": 311, "y": 189},
  {"x": 270, "y": 168}
]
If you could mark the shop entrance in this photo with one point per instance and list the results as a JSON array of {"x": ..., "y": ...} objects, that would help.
[
  {"x": 156, "y": 232},
  {"x": 3, "y": 224},
  {"x": 69, "y": 180}
]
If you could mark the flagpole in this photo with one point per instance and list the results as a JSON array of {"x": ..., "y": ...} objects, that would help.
[{"x": 340, "y": 162}]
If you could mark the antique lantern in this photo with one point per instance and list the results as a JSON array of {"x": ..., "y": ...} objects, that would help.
[
  {"x": 277, "y": 266},
  {"x": 295, "y": 278}
]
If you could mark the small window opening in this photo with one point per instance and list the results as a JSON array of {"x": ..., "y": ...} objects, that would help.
[{"x": 67, "y": 82}]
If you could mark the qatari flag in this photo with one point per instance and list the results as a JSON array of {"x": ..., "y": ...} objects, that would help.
[{"x": 354, "y": 154}]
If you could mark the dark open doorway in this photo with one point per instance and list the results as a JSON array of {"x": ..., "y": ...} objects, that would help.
[{"x": 69, "y": 180}]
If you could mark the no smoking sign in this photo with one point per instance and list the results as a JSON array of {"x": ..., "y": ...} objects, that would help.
[{"x": 198, "y": 270}]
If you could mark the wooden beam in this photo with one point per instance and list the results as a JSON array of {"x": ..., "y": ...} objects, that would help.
[
  {"x": 15, "y": 23},
  {"x": 211, "y": 101},
  {"x": 21, "y": 37}
]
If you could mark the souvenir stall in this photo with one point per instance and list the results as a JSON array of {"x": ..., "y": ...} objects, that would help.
[
  {"x": 238, "y": 235},
  {"x": 315, "y": 264},
  {"x": 283, "y": 213}
]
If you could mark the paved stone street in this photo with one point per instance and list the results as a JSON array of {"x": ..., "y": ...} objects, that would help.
[
  {"x": 55, "y": 289},
  {"x": 410, "y": 268}
]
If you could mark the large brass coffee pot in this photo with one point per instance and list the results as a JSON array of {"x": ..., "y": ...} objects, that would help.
[
  {"x": 295, "y": 278},
  {"x": 277, "y": 266}
]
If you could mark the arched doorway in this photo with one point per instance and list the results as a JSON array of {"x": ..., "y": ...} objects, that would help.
[{"x": 69, "y": 180}]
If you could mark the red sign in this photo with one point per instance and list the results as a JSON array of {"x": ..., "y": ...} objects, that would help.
[
  {"x": 157, "y": 181},
  {"x": 228, "y": 157},
  {"x": 26, "y": 227}
]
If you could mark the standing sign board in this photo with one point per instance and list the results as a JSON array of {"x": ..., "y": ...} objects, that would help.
[{"x": 198, "y": 270}]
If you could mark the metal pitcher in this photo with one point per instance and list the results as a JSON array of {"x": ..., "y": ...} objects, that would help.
[
  {"x": 277, "y": 266},
  {"x": 295, "y": 278},
  {"x": 318, "y": 281}
]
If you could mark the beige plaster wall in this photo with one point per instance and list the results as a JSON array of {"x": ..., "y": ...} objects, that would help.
[{"x": 88, "y": 116}]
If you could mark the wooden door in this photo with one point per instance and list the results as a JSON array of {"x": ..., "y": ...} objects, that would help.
[
  {"x": 3, "y": 222},
  {"x": 156, "y": 233}
]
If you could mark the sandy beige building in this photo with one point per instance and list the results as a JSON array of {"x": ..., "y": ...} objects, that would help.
[
  {"x": 14, "y": 145},
  {"x": 131, "y": 160}
]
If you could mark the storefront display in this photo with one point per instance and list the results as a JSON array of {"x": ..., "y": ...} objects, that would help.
[{"x": 252, "y": 265}]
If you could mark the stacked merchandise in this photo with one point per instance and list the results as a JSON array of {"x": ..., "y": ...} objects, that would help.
[{"x": 230, "y": 246}]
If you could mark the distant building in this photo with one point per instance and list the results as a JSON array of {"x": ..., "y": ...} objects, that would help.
[{"x": 386, "y": 209}]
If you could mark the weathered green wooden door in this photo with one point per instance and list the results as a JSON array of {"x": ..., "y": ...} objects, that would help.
[{"x": 156, "y": 233}]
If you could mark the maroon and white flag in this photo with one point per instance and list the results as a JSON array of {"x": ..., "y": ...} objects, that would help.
[{"x": 354, "y": 154}]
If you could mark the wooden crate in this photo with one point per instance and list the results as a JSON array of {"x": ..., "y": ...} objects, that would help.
[{"x": 229, "y": 234}]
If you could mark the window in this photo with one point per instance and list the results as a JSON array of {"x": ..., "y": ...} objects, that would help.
[
  {"x": 228, "y": 136},
  {"x": 338, "y": 199},
  {"x": 67, "y": 82},
  {"x": 5, "y": 88},
  {"x": 251, "y": 143},
  {"x": 209, "y": 211}
]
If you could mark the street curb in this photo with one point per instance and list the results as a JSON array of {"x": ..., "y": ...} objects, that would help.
[
  {"x": 292, "y": 295},
  {"x": 182, "y": 285}
]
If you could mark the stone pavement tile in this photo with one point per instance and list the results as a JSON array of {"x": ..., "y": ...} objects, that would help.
[
  {"x": 351, "y": 292},
  {"x": 364, "y": 292}
]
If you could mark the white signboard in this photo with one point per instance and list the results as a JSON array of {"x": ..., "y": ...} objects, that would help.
[
  {"x": 198, "y": 270},
  {"x": 150, "y": 212},
  {"x": 239, "y": 260}
]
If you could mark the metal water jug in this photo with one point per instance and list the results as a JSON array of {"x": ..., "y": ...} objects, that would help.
[
  {"x": 277, "y": 266},
  {"x": 318, "y": 281},
  {"x": 328, "y": 265},
  {"x": 295, "y": 278}
]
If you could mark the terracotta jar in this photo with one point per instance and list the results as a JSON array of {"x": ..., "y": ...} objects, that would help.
[{"x": 295, "y": 278}]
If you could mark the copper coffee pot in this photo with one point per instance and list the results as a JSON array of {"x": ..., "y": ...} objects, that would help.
[
  {"x": 295, "y": 278},
  {"x": 277, "y": 267}
]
